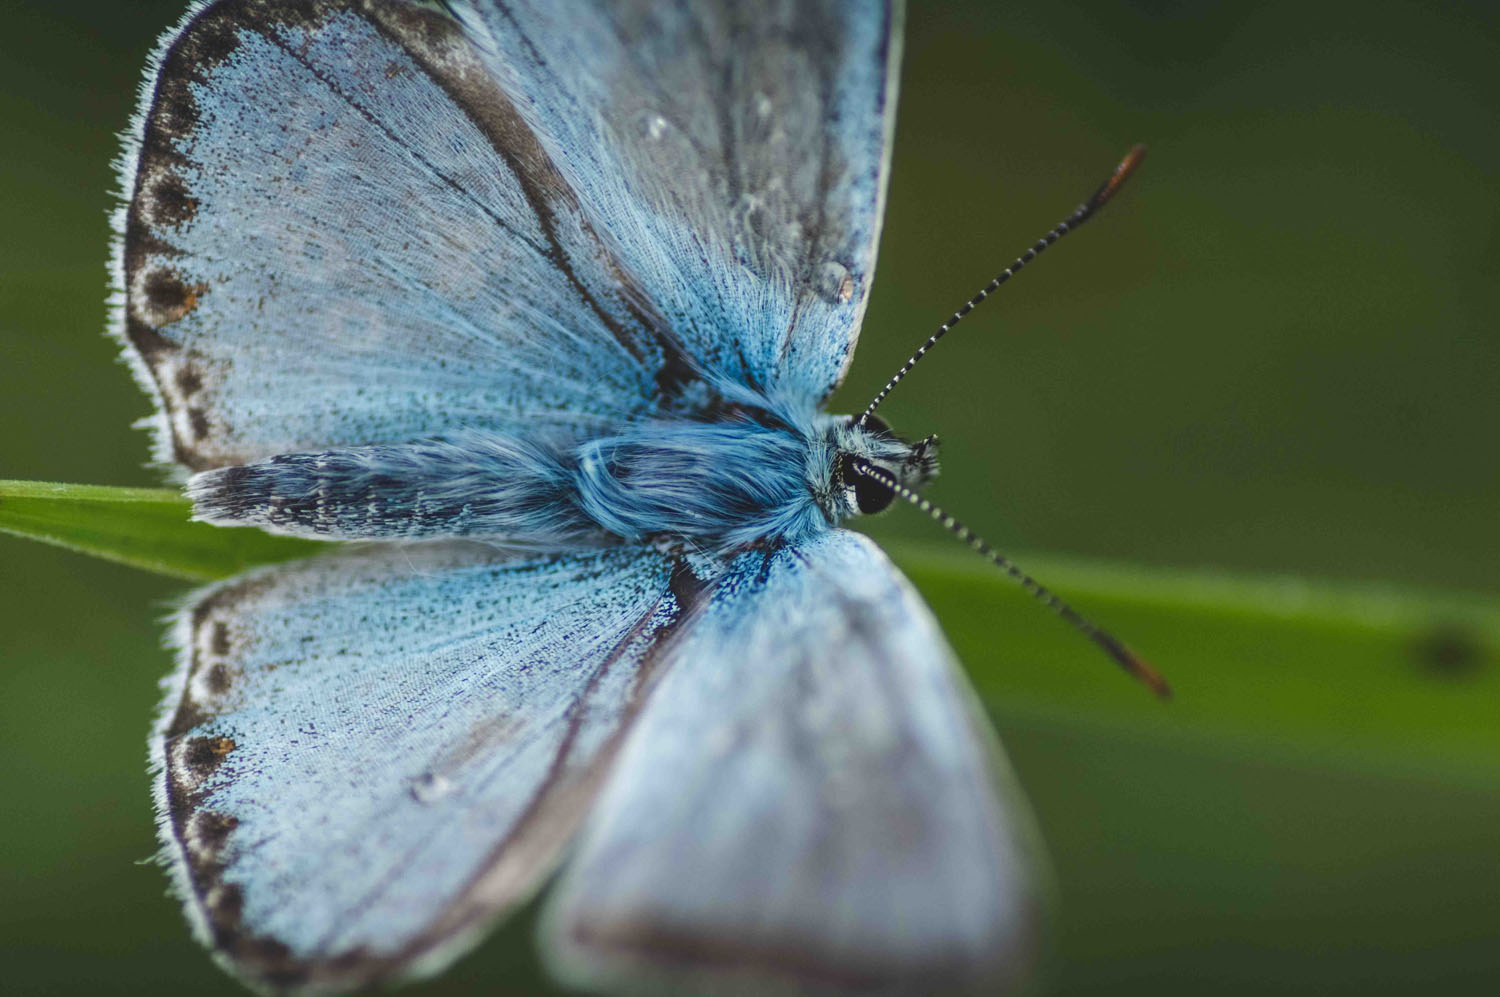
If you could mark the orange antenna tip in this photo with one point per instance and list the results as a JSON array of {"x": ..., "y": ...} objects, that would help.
[{"x": 1132, "y": 161}]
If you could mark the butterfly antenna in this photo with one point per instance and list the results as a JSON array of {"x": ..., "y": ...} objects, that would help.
[
  {"x": 1107, "y": 642},
  {"x": 1085, "y": 211}
]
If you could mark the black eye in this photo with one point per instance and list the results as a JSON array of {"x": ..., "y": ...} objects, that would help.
[
  {"x": 875, "y": 424},
  {"x": 870, "y": 495}
]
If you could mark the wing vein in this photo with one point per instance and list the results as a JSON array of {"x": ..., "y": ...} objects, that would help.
[{"x": 375, "y": 122}]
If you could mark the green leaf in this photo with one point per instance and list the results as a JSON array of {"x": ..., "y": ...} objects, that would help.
[
  {"x": 145, "y": 528},
  {"x": 1376, "y": 678}
]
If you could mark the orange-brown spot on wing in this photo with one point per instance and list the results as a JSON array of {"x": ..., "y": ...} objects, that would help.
[
  {"x": 167, "y": 298},
  {"x": 200, "y": 757}
]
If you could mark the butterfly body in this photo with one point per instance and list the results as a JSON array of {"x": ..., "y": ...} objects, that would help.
[
  {"x": 736, "y": 474},
  {"x": 542, "y": 301}
]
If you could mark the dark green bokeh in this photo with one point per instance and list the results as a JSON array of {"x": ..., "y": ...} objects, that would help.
[{"x": 1275, "y": 352}]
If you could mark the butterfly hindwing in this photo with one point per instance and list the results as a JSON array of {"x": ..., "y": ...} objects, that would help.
[
  {"x": 737, "y": 153},
  {"x": 363, "y": 758},
  {"x": 340, "y": 231},
  {"x": 811, "y": 800}
]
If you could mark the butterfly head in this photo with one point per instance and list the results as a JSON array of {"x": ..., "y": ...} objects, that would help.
[{"x": 912, "y": 464}]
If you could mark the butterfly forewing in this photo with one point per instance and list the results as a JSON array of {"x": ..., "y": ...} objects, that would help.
[
  {"x": 810, "y": 801},
  {"x": 341, "y": 232},
  {"x": 365, "y": 757},
  {"x": 737, "y": 153},
  {"x": 359, "y": 222}
]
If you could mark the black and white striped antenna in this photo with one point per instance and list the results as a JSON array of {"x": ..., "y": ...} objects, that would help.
[
  {"x": 1085, "y": 211},
  {"x": 1107, "y": 642}
]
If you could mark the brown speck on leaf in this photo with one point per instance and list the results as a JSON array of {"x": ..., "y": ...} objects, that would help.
[{"x": 1449, "y": 650}]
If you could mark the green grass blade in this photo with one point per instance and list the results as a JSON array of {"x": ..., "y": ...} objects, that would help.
[
  {"x": 1373, "y": 678},
  {"x": 143, "y": 527}
]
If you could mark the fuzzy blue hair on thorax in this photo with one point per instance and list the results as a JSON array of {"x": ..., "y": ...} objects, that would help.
[{"x": 720, "y": 484}]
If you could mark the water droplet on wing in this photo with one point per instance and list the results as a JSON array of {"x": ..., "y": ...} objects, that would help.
[
  {"x": 653, "y": 127},
  {"x": 429, "y": 787},
  {"x": 834, "y": 283}
]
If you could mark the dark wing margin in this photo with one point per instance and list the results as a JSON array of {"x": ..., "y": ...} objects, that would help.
[
  {"x": 338, "y": 230},
  {"x": 363, "y": 760}
]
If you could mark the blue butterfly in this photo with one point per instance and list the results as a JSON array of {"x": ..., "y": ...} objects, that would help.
[{"x": 541, "y": 300}]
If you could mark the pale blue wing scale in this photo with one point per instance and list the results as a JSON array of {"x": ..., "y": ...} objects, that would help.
[
  {"x": 737, "y": 154},
  {"x": 812, "y": 801},
  {"x": 363, "y": 758},
  {"x": 339, "y": 232}
]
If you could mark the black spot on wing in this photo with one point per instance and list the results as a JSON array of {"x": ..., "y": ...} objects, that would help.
[
  {"x": 166, "y": 298},
  {"x": 204, "y": 755},
  {"x": 219, "y": 679},
  {"x": 189, "y": 381},
  {"x": 164, "y": 194},
  {"x": 218, "y": 640},
  {"x": 198, "y": 422}
]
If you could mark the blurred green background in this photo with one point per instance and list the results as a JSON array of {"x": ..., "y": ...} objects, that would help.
[{"x": 1275, "y": 355}]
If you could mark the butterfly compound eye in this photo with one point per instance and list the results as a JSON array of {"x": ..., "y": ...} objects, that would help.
[{"x": 870, "y": 496}]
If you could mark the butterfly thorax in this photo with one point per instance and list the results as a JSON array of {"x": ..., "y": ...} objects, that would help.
[
  {"x": 718, "y": 479},
  {"x": 755, "y": 474}
]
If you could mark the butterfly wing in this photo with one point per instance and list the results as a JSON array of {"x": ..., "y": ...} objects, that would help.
[
  {"x": 811, "y": 801},
  {"x": 736, "y": 152},
  {"x": 355, "y": 223},
  {"x": 363, "y": 758},
  {"x": 340, "y": 231}
]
